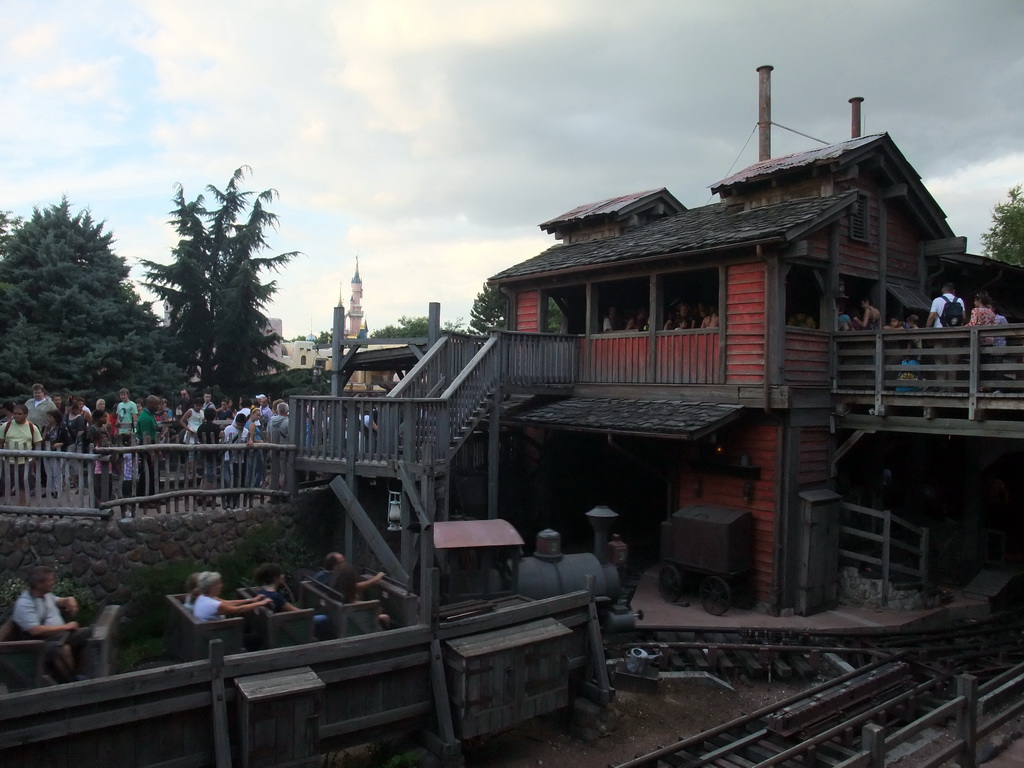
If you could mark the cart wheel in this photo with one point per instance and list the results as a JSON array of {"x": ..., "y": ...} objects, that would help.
[
  {"x": 670, "y": 583},
  {"x": 715, "y": 595}
]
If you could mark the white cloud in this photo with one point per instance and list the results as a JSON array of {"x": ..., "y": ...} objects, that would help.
[
  {"x": 432, "y": 137},
  {"x": 969, "y": 194}
]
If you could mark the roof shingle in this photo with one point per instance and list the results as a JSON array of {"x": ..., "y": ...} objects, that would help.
[{"x": 697, "y": 229}]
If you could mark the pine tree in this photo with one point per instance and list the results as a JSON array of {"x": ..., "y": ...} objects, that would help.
[
  {"x": 489, "y": 310},
  {"x": 213, "y": 289},
  {"x": 69, "y": 316}
]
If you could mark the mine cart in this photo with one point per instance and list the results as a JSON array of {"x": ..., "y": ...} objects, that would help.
[{"x": 712, "y": 544}]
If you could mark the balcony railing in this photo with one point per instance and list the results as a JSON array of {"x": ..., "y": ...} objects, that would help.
[{"x": 975, "y": 361}]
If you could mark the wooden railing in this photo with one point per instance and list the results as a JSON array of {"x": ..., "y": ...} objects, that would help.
[
  {"x": 124, "y": 480},
  {"x": 976, "y": 710},
  {"x": 884, "y": 534},
  {"x": 538, "y": 358},
  {"x": 806, "y": 357},
  {"x": 680, "y": 357},
  {"x": 954, "y": 361},
  {"x": 439, "y": 366}
]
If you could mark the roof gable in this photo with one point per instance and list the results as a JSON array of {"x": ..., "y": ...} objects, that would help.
[{"x": 613, "y": 216}]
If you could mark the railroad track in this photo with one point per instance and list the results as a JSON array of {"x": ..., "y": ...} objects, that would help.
[
  {"x": 821, "y": 726},
  {"x": 984, "y": 649}
]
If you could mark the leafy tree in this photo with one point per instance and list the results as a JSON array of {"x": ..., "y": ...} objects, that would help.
[
  {"x": 405, "y": 328},
  {"x": 213, "y": 288},
  {"x": 457, "y": 325},
  {"x": 489, "y": 310},
  {"x": 1005, "y": 240},
  {"x": 70, "y": 317}
]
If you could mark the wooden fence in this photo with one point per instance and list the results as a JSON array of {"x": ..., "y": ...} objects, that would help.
[
  {"x": 884, "y": 536},
  {"x": 127, "y": 479},
  {"x": 977, "y": 710},
  {"x": 387, "y": 684}
]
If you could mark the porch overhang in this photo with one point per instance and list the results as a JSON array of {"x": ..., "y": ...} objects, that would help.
[{"x": 670, "y": 419}]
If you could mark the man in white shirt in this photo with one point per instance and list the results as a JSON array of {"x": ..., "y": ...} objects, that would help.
[
  {"x": 37, "y": 612},
  {"x": 935, "y": 315}
]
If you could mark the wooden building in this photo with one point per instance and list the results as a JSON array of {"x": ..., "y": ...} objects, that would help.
[{"x": 597, "y": 396}]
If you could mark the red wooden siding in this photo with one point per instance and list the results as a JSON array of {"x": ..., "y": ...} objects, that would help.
[
  {"x": 806, "y": 360},
  {"x": 687, "y": 357},
  {"x": 744, "y": 330},
  {"x": 903, "y": 239},
  {"x": 855, "y": 256},
  {"x": 813, "y": 469},
  {"x": 528, "y": 311},
  {"x": 622, "y": 358},
  {"x": 760, "y": 443}
]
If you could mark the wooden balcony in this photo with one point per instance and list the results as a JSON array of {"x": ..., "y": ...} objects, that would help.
[{"x": 975, "y": 371}]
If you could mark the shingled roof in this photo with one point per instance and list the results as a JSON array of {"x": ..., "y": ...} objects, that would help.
[
  {"x": 698, "y": 229},
  {"x": 820, "y": 155},
  {"x": 665, "y": 418}
]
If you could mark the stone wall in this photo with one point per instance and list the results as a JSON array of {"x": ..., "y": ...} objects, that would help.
[
  {"x": 101, "y": 554},
  {"x": 863, "y": 592}
]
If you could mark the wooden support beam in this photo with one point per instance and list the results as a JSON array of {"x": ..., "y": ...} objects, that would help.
[
  {"x": 442, "y": 707},
  {"x": 221, "y": 739},
  {"x": 361, "y": 520},
  {"x": 493, "y": 455},
  {"x": 409, "y": 488}
]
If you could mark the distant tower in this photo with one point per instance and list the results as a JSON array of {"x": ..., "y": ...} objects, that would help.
[{"x": 355, "y": 309}]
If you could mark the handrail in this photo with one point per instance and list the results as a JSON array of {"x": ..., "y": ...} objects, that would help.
[
  {"x": 423, "y": 368},
  {"x": 971, "y": 361}
]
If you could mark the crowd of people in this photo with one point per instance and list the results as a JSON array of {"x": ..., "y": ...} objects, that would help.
[
  {"x": 59, "y": 424},
  {"x": 680, "y": 316}
]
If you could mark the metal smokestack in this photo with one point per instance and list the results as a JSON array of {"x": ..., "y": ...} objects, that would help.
[
  {"x": 855, "y": 103},
  {"x": 764, "y": 113},
  {"x": 601, "y": 519}
]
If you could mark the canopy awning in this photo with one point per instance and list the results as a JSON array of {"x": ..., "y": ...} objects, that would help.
[
  {"x": 675, "y": 419},
  {"x": 910, "y": 298}
]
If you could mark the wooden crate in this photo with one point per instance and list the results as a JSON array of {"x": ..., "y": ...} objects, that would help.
[
  {"x": 279, "y": 716},
  {"x": 501, "y": 678}
]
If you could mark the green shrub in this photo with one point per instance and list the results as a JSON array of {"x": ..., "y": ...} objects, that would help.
[
  {"x": 266, "y": 543},
  {"x": 148, "y": 585}
]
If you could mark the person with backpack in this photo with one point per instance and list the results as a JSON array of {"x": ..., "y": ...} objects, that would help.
[
  {"x": 20, "y": 434},
  {"x": 947, "y": 311}
]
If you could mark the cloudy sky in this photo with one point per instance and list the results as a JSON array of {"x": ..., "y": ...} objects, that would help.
[{"x": 430, "y": 138}]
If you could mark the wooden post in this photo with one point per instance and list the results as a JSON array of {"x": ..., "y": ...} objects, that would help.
[
  {"x": 442, "y": 706},
  {"x": 493, "y": 455},
  {"x": 337, "y": 334},
  {"x": 653, "y": 325},
  {"x": 873, "y": 742},
  {"x": 221, "y": 741},
  {"x": 886, "y": 553},
  {"x": 433, "y": 323},
  {"x": 967, "y": 719}
]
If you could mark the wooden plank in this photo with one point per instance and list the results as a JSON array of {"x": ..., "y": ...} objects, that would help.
[
  {"x": 371, "y": 535},
  {"x": 35, "y": 702},
  {"x": 375, "y": 720},
  {"x": 515, "y": 615},
  {"x": 55, "y": 729},
  {"x": 326, "y": 651},
  {"x": 371, "y": 668}
]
